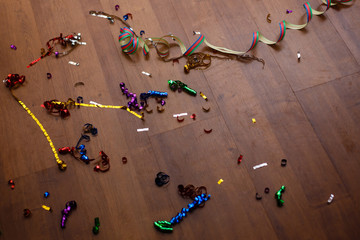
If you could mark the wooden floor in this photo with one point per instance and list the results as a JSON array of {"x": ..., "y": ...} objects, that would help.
[{"x": 307, "y": 112}]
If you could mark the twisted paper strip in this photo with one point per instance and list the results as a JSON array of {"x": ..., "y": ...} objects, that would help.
[
  {"x": 71, "y": 102},
  {"x": 130, "y": 41},
  {"x": 14, "y": 81}
]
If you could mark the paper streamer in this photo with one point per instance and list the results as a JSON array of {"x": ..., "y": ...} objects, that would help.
[{"x": 130, "y": 42}]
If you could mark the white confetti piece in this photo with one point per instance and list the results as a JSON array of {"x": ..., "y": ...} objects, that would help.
[
  {"x": 146, "y": 73},
  {"x": 74, "y": 63},
  {"x": 179, "y": 115},
  {"x": 260, "y": 166},
  {"x": 95, "y": 103},
  {"x": 142, "y": 129},
  {"x": 331, "y": 198}
]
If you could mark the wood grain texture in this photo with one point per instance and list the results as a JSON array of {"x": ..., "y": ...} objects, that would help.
[{"x": 306, "y": 112}]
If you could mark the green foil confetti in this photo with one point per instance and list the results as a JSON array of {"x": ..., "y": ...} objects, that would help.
[
  {"x": 278, "y": 196},
  {"x": 163, "y": 226},
  {"x": 178, "y": 84}
]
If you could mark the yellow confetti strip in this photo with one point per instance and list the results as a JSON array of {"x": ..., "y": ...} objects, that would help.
[
  {"x": 254, "y": 120},
  {"x": 220, "y": 181},
  {"x": 46, "y": 208},
  {"x": 61, "y": 164},
  {"x": 100, "y": 106},
  {"x": 203, "y": 96}
]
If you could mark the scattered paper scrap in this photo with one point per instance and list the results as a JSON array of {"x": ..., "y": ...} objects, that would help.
[
  {"x": 95, "y": 103},
  {"x": 260, "y": 166},
  {"x": 331, "y": 198},
  {"x": 146, "y": 73},
  {"x": 180, "y": 115},
  {"x": 74, "y": 63},
  {"x": 142, "y": 129}
]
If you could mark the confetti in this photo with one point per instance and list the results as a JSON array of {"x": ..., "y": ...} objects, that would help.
[
  {"x": 46, "y": 194},
  {"x": 207, "y": 131},
  {"x": 220, "y": 181},
  {"x": 159, "y": 109},
  {"x": 258, "y": 196},
  {"x": 46, "y": 208},
  {"x": 260, "y": 166},
  {"x": 180, "y": 119},
  {"x": 74, "y": 63},
  {"x": 142, "y": 129},
  {"x": 71, "y": 205},
  {"x": 27, "y": 212},
  {"x": 191, "y": 191},
  {"x": 278, "y": 196},
  {"x": 193, "y": 116},
  {"x": 117, "y": 7},
  {"x": 97, "y": 225},
  {"x": 103, "y": 164},
  {"x": 331, "y": 198},
  {"x": 180, "y": 85},
  {"x": 12, "y": 184},
  {"x": 13, "y": 47},
  {"x": 298, "y": 56},
  {"x": 162, "y": 179},
  {"x": 166, "y": 226},
  {"x": 146, "y": 73},
  {"x": 180, "y": 115},
  {"x": 148, "y": 111},
  {"x": 203, "y": 96},
  {"x": 79, "y": 84},
  {"x": 48, "y": 75},
  {"x": 133, "y": 103},
  {"x": 253, "y": 120},
  {"x": 268, "y": 18},
  {"x": 240, "y": 159},
  {"x": 283, "y": 162},
  {"x": 206, "y": 109}
]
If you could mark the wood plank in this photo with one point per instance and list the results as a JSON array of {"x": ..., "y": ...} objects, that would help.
[
  {"x": 307, "y": 117},
  {"x": 336, "y": 126}
]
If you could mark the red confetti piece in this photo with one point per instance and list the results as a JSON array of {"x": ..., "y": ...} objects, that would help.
[
  {"x": 180, "y": 120},
  {"x": 240, "y": 159}
]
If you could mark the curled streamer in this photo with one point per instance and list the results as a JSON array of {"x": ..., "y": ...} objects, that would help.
[{"x": 130, "y": 42}]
